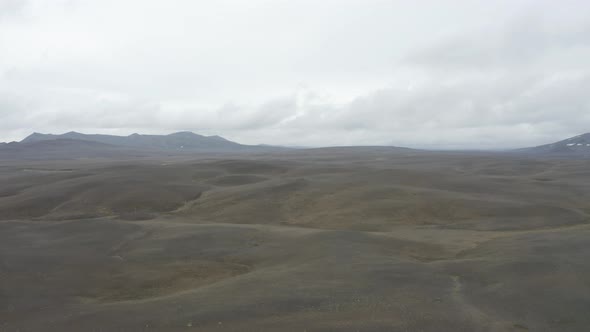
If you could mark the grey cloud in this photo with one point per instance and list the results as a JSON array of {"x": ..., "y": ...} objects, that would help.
[
  {"x": 268, "y": 114},
  {"x": 11, "y": 8},
  {"x": 500, "y": 114},
  {"x": 523, "y": 41},
  {"x": 467, "y": 114},
  {"x": 254, "y": 73}
]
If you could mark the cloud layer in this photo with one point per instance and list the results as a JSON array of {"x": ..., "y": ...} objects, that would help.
[{"x": 460, "y": 75}]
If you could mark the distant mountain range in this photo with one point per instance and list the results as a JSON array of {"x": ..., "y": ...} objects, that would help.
[
  {"x": 77, "y": 145},
  {"x": 176, "y": 141}
]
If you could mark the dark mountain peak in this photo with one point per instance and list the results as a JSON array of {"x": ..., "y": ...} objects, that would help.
[
  {"x": 185, "y": 134},
  {"x": 576, "y": 145},
  {"x": 73, "y": 135},
  {"x": 33, "y": 135},
  {"x": 574, "y": 142},
  {"x": 37, "y": 137},
  {"x": 580, "y": 138}
]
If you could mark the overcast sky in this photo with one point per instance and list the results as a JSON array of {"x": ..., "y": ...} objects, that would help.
[{"x": 434, "y": 74}]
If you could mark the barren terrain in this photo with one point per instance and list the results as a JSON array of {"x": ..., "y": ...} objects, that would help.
[{"x": 338, "y": 239}]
